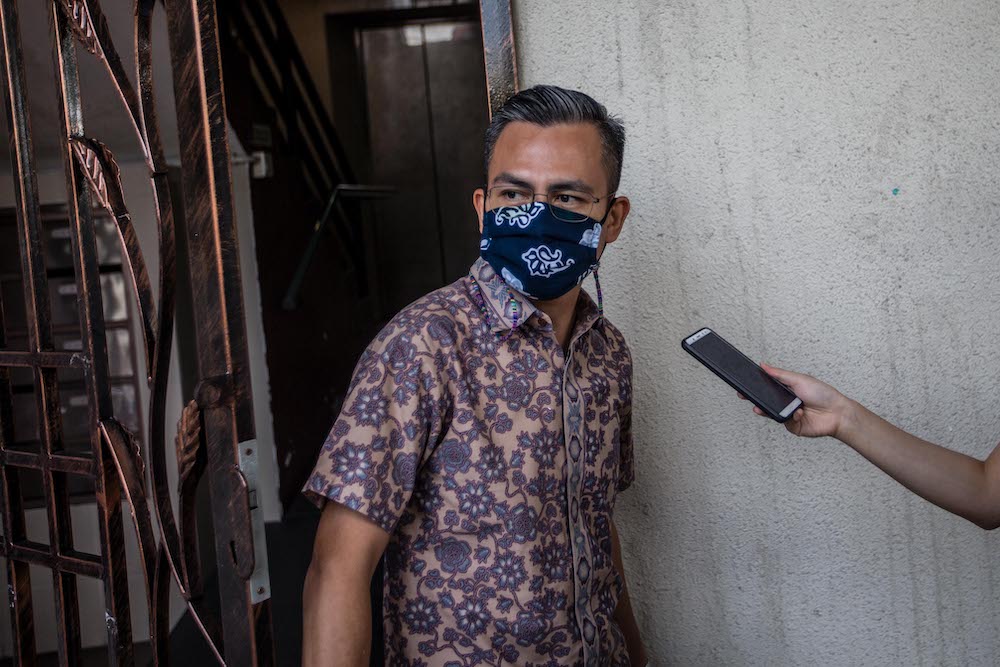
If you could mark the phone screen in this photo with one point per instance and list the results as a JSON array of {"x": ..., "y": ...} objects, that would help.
[{"x": 725, "y": 359}]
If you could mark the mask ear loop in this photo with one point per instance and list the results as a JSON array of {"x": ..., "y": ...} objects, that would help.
[
  {"x": 597, "y": 265},
  {"x": 600, "y": 294}
]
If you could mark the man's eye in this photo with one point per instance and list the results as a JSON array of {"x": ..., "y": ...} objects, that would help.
[{"x": 569, "y": 200}]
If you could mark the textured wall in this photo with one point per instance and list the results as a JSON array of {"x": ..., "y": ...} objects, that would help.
[{"x": 818, "y": 182}]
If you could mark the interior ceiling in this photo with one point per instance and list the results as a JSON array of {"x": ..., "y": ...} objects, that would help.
[{"x": 104, "y": 113}]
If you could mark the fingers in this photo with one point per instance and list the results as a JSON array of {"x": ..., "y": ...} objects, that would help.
[
  {"x": 778, "y": 373},
  {"x": 794, "y": 425},
  {"x": 755, "y": 408},
  {"x": 788, "y": 378}
]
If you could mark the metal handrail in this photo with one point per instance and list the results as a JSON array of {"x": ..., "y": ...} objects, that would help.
[
  {"x": 282, "y": 73},
  {"x": 344, "y": 190}
]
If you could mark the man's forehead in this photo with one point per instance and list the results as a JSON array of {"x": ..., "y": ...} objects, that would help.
[{"x": 566, "y": 151}]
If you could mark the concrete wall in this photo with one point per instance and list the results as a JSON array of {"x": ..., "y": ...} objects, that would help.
[
  {"x": 818, "y": 182},
  {"x": 256, "y": 344}
]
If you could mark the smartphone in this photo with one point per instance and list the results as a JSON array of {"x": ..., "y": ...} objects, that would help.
[{"x": 775, "y": 399}]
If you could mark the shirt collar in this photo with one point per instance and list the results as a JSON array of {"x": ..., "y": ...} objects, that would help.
[
  {"x": 587, "y": 315},
  {"x": 497, "y": 296}
]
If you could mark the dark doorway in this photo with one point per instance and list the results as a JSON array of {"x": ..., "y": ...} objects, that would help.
[
  {"x": 413, "y": 80},
  {"x": 409, "y": 108}
]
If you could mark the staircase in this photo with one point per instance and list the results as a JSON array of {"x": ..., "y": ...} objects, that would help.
[{"x": 275, "y": 109}]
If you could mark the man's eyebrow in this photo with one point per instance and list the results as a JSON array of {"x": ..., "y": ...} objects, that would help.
[
  {"x": 578, "y": 185},
  {"x": 510, "y": 179}
]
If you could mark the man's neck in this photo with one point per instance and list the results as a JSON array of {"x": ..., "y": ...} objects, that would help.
[{"x": 562, "y": 312}]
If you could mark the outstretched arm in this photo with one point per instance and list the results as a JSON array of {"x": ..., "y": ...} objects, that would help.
[{"x": 953, "y": 481}]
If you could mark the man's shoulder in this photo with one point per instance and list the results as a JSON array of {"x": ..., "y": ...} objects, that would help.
[
  {"x": 614, "y": 336},
  {"x": 431, "y": 321}
]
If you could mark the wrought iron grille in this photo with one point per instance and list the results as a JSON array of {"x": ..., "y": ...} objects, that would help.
[
  {"x": 214, "y": 443},
  {"x": 215, "y": 439}
]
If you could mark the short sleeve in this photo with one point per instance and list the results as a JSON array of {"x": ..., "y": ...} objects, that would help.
[
  {"x": 373, "y": 454},
  {"x": 626, "y": 460}
]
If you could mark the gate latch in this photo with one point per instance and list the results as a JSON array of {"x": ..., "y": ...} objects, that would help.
[{"x": 260, "y": 579}]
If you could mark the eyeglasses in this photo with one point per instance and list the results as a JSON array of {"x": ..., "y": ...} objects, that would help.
[{"x": 567, "y": 205}]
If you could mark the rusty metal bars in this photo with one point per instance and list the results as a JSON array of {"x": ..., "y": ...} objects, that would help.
[
  {"x": 107, "y": 487},
  {"x": 223, "y": 395},
  {"x": 224, "y": 398},
  {"x": 498, "y": 49},
  {"x": 64, "y": 562}
]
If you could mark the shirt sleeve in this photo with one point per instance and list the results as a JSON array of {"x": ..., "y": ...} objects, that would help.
[
  {"x": 371, "y": 458},
  {"x": 626, "y": 465}
]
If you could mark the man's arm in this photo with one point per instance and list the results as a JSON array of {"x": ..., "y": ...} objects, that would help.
[
  {"x": 336, "y": 603},
  {"x": 951, "y": 480},
  {"x": 623, "y": 613}
]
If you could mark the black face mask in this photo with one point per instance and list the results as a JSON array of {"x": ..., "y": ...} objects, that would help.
[{"x": 537, "y": 250}]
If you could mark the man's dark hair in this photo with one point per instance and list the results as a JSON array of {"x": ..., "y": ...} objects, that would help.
[{"x": 552, "y": 105}]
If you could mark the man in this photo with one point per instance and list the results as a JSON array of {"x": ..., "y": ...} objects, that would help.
[
  {"x": 487, "y": 431},
  {"x": 951, "y": 480}
]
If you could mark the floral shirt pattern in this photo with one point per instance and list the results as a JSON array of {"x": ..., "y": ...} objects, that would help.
[{"x": 495, "y": 467}]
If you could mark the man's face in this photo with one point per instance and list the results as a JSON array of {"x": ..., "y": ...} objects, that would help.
[{"x": 548, "y": 159}]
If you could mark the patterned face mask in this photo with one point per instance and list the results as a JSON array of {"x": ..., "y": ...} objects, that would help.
[{"x": 535, "y": 252}]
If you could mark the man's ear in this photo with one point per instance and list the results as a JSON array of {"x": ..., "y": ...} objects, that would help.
[
  {"x": 613, "y": 224},
  {"x": 479, "y": 203}
]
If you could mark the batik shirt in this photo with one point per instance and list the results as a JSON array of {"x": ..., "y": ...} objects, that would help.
[{"x": 494, "y": 464}]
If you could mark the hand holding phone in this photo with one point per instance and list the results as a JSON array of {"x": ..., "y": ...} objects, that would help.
[
  {"x": 824, "y": 409},
  {"x": 739, "y": 372}
]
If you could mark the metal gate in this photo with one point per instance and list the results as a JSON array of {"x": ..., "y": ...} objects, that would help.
[{"x": 215, "y": 439}]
